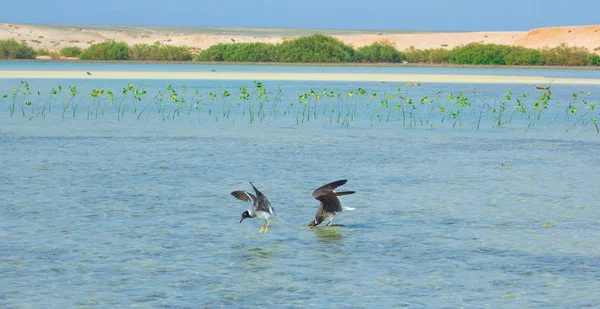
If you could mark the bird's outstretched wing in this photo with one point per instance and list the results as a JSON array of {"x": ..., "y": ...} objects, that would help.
[
  {"x": 262, "y": 203},
  {"x": 331, "y": 202},
  {"x": 244, "y": 196},
  {"x": 328, "y": 188}
]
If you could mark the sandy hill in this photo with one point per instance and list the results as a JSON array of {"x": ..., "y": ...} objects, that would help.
[{"x": 55, "y": 37}]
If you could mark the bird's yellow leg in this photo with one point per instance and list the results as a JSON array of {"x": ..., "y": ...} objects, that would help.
[
  {"x": 262, "y": 227},
  {"x": 267, "y": 227}
]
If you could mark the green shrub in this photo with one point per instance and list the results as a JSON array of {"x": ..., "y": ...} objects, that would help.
[
  {"x": 524, "y": 56},
  {"x": 477, "y": 53},
  {"x": 158, "y": 51},
  {"x": 251, "y": 52},
  {"x": 565, "y": 55},
  {"x": 314, "y": 48},
  {"x": 438, "y": 55},
  {"x": 71, "y": 51},
  {"x": 213, "y": 53},
  {"x": 109, "y": 50},
  {"x": 593, "y": 60},
  {"x": 42, "y": 52},
  {"x": 414, "y": 55},
  {"x": 239, "y": 52},
  {"x": 11, "y": 49},
  {"x": 379, "y": 52}
]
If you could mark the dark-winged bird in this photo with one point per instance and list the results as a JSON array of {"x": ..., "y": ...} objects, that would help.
[
  {"x": 330, "y": 202},
  {"x": 261, "y": 207}
]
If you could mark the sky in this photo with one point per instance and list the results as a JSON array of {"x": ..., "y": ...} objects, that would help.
[{"x": 422, "y": 15}]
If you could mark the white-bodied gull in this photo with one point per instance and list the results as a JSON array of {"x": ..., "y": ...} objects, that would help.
[{"x": 261, "y": 207}]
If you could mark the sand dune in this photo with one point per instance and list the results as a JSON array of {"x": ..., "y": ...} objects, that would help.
[
  {"x": 55, "y": 37},
  {"x": 585, "y": 36}
]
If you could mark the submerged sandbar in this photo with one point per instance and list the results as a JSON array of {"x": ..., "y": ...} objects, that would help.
[{"x": 263, "y": 76}]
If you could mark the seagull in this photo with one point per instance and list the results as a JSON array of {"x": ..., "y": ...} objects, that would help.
[
  {"x": 88, "y": 73},
  {"x": 330, "y": 202},
  {"x": 261, "y": 207}
]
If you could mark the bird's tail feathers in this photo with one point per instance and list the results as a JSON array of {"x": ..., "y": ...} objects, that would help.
[{"x": 346, "y": 193}]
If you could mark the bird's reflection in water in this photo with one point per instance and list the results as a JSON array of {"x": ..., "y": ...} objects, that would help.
[
  {"x": 255, "y": 259},
  {"x": 260, "y": 253},
  {"x": 328, "y": 233},
  {"x": 254, "y": 264}
]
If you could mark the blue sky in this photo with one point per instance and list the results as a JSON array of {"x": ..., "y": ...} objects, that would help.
[{"x": 441, "y": 15}]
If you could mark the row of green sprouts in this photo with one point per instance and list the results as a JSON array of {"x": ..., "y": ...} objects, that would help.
[{"x": 258, "y": 104}]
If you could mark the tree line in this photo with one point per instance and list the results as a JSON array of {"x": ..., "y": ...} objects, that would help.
[{"x": 319, "y": 48}]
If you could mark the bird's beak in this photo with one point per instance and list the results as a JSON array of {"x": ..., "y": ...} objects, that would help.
[{"x": 242, "y": 219}]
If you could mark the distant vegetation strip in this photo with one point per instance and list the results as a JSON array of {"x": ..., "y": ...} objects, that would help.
[{"x": 318, "y": 48}]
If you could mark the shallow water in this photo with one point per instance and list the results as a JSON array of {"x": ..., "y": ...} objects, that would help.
[
  {"x": 102, "y": 213},
  {"x": 195, "y": 67}
]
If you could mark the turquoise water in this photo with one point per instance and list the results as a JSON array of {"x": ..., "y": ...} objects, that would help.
[
  {"x": 112, "y": 212},
  {"x": 76, "y": 66}
]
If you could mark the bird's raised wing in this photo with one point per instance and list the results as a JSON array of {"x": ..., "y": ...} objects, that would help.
[
  {"x": 264, "y": 205},
  {"x": 328, "y": 188},
  {"x": 244, "y": 196},
  {"x": 331, "y": 202}
]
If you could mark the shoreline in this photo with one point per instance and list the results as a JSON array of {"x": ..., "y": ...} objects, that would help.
[
  {"x": 263, "y": 76},
  {"x": 312, "y": 64}
]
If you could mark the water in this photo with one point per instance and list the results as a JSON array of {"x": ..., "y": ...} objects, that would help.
[
  {"x": 191, "y": 67},
  {"x": 103, "y": 213},
  {"x": 192, "y": 30}
]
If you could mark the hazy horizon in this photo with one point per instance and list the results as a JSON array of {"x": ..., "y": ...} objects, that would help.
[
  {"x": 231, "y": 29},
  {"x": 379, "y": 15}
]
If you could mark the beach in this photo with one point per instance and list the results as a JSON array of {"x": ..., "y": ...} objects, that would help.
[
  {"x": 56, "y": 37},
  {"x": 264, "y": 76}
]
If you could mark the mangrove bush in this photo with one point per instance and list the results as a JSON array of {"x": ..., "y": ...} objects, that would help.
[
  {"x": 566, "y": 56},
  {"x": 314, "y": 48},
  {"x": 109, "y": 50},
  {"x": 71, "y": 51},
  {"x": 239, "y": 52},
  {"x": 379, "y": 52},
  {"x": 158, "y": 51},
  {"x": 11, "y": 49}
]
